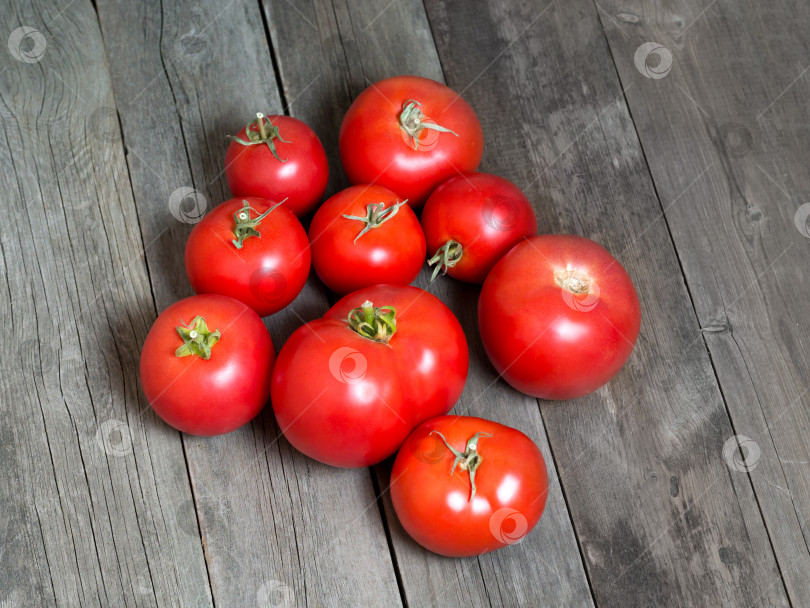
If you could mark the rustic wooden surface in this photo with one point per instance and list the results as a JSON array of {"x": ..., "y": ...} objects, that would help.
[{"x": 693, "y": 174}]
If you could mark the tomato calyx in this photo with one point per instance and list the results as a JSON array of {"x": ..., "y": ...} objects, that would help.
[
  {"x": 412, "y": 121},
  {"x": 376, "y": 216},
  {"x": 374, "y": 323},
  {"x": 446, "y": 256},
  {"x": 197, "y": 339},
  {"x": 575, "y": 281},
  {"x": 260, "y": 132},
  {"x": 245, "y": 226},
  {"x": 469, "y": 460}
]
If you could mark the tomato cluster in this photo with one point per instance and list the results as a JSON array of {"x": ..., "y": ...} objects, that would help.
[{"x": 379, "y": 372}]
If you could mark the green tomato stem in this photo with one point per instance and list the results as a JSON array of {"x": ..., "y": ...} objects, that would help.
[
  {"x": 469, "y": 460},
  {"x": 375, "y": 323},
  {"x": 245, "y": 226},
  {"x": 376, "y": 216},
  {"x": 197, "y": 339},
  {"x": 411, "y": 120},
  {"x": 446, "y": 256},
  {"x": 260, "y": 132}
]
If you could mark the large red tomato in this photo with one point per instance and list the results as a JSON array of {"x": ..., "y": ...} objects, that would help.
[
  {"x": 409, "y": 134},
  {"x": 464, "y": 486},
  {"x": 278, "y": 157},
  {"x": 205, "y": 365},
  {"x": 252, "y": 250},
  {"x": 366, "y": 235},
  {"x": 471, "y": 220},
  {"x": 349, "y": 387},
  {"x": 559, "y": 316}
]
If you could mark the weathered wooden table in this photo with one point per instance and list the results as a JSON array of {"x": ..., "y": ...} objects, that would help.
[{"x": 677, "y": 134}]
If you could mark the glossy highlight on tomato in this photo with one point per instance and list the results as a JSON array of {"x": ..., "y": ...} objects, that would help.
[
  {"x": 471, "y": 221},
  {"x": 250, "y": 249},
  {"x": 559, "y": 316},
  {"x": 205, "y": 365},
  {"x": 464, "y": 486},
  {"x": 349, "y": 387},
  {"x": 366, "y": 235},
  {"x": 409, "y": 134},
  {"x": 278, "y": 158}
]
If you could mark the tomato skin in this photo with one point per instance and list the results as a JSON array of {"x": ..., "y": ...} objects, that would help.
[
  {"x": 432, "y": 345},
  {"x": 214, "y": 396},
  {"x": 301, "y": 178},
  {"x": 348, "y": 401},
  {"x": 374, "y": 149},
  {"x": 267, "y": 273},
  {"x": 547, "y": 341},
  {"x": 485, "y": 213},
  {"x": 393, "y": 252},
  {"x": 434, "y": 507}
]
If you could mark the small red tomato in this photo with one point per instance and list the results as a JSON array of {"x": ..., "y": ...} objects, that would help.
[
  {"x": 559, "y": 316},
  {"x": 471, "y": 221},
  {"x": 464, "y": 486},
  {"x": 409, "y": 134},
  {"x": 278, "y": 158},
  {"x": 349, "y": 387},
  {"x": 365, "y": 235},
  {"x": 205, "y": 365},
  {"x": 252, "y": 250}
]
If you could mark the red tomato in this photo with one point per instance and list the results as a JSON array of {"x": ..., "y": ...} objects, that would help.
[
  {"x": 261, "y": 261},
  {"x": 365, "y": 235},
  {"x": 348, "y": 393},
  {"x": 205, "y": 365},
  {"x": 464, "y": 486},
  {"x": 278, "y": 157},
  {"x": 409, "y": 134},
  {"x": 471, "y": 221},
  {"x": 559, "y": 316}
]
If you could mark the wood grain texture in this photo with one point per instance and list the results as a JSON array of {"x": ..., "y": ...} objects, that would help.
[
  {"x": 655, "y": 509},
  {"x": 737, "y": 111},
  {"x": 94, "y": 490},
  {"x": 327, "y": 54},
  {"x": 278, "y": 528}
]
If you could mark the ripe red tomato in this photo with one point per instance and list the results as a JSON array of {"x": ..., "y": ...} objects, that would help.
[
  {"x": 559, "y": 316},
  {"x": 277, "y": 158},
  {"x": 366, "y": 235},
  {"x": 464, "y": 486},
  {"x": 471, "y": 221},
  {"x": 348, "y": 393},
  {"x": 238, "y": 251},
  {"x": 205, "y": 365},
  {"x": 409, "y": 134}
]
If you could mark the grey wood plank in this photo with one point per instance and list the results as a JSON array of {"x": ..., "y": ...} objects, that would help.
[
  {"x": 277, "y": 527},
  {"x": 659, "y": 516},
  {"x": 328, "y": 53},
  {"x": 94, "y": 491},
  {"x": 739, "y": 111}
]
